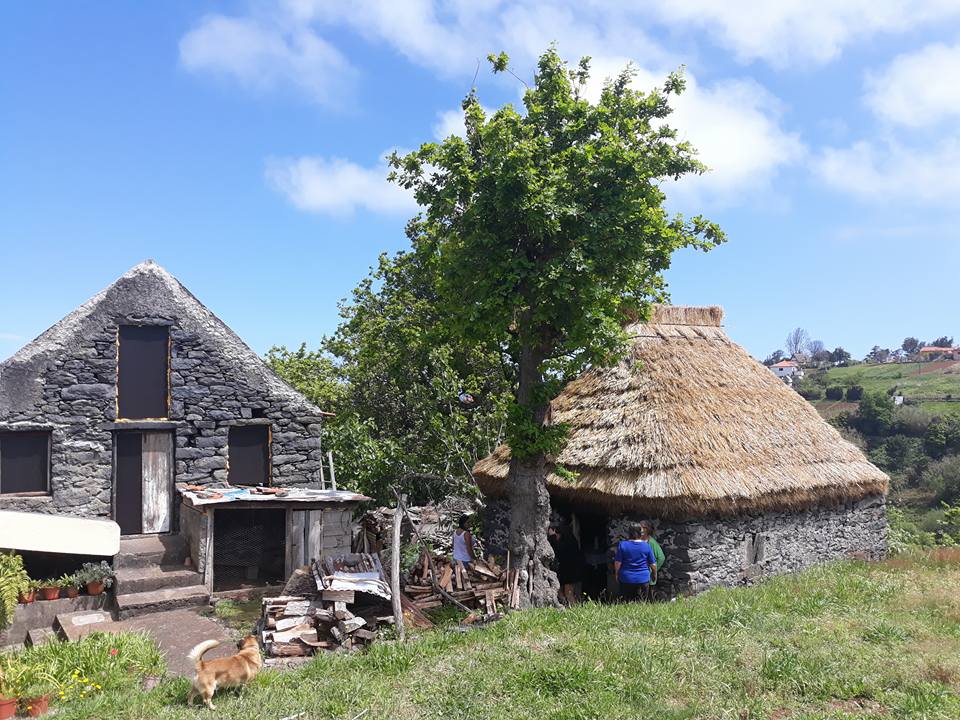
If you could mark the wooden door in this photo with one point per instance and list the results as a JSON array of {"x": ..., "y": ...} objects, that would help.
[
  {"x": 157, "y": 468},
  {"x": 143, "y": 482},
  {"x": 128, "y": 482}
]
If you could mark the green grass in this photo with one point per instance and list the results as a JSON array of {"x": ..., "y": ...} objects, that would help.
[
  {"x": 842, "y": 641},
  {"x": 911, "y": 379},
  {"x": 239, "y": 615}
]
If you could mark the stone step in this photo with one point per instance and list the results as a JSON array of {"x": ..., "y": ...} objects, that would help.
[
  {"x": 151, "y": 550},
  {"x": 133, "y": 604},
  {"x": 75, "y": 625},
  {"x": 41, "y": 636},
  {"x": 144, "y": 579}
]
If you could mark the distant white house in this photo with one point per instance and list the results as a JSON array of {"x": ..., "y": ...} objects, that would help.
[{"x": 787, "y": 370}]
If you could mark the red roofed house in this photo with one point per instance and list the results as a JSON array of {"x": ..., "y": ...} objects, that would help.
[
  {"x": 787, "y": 370},
  {"x": 943, "y": 353}
]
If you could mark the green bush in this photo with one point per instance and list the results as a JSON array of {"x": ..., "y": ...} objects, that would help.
[
  {"x": 13, "y": 581},
  {"x": 943, "y": 435},
  {"x": 854, "y": 393},
  {"x": 834, "y": 392},
  {"x": 875, "y": 414},
  {"x": 911, "y": 420},
  {"x": 942, "y": 477}
]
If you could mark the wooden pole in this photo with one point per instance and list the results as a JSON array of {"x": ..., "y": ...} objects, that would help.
[
  {"x": 333, "y": 474},
  {"x": 395, "y": 568}
]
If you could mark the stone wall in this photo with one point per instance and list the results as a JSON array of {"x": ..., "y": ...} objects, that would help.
[
  {"x": 723, "y": 552},
  {"x": 215, "y": 382}
]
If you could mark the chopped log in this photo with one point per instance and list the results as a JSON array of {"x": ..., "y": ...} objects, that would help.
[
  {"x": 291, "y": 634},
  {"x": 447, "y": 578},
  {"x": 288, "y": 622},
  {"x": 351, "y": 625},
  {"x": 365, "y": 634},
  {"x": 344, "y": 596},
  {"x": 343, "y": 614},
  {"x": 288, "y": 649}
]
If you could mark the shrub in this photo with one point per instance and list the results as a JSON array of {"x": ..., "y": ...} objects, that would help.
[
  {"x": 810, "y": 392},
  {"x": 13, "y": 581},
  {"x": 875, "y": 414},
  {"x": 854, "y": 393},
  {"x": 912, "y": 421},
  {"x": 903, "y": 452},
  {"x": 943, "y": 435},
  {"x": 943, "y": 478},
  {"x": 834, "y": 392}
]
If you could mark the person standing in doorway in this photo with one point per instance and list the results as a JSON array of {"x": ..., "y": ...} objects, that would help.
[
  {"x": 570, "y": 563},
  {"x": 463, "y": 543},
  {"x": 657, "y": 555},
  {"x": 635, "y": 564}
]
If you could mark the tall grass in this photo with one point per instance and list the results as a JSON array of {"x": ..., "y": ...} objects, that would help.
[{"x": 841, "y": 641}]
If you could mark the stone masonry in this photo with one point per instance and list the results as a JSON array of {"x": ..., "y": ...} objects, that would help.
[
  {"x": 65, "y": 382},
  {"x": 722, "y": 552}
]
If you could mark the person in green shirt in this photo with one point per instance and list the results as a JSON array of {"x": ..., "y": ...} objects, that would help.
[{"x": 647, "y": 530}]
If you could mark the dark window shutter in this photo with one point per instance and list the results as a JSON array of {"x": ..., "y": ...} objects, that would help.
[
  {"x": 249, "y": 455},
  {"x": 142, "y": 377},
  {"x": 24, "y": 462}
]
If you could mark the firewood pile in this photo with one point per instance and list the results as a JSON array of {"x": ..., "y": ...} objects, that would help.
[
  {"x": 435, "y": 524},
  {"x": 436, "y": 579},
  {"x": 343, "y": 602}
]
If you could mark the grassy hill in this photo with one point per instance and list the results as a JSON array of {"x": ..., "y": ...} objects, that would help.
[
  {"x": 912, "y": 380},
  {"x": 848, "y": 640}
]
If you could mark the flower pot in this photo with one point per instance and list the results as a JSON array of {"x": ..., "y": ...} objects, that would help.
[
  {"x": 72, "y": 592},
  {"x": 49, "y": 593},
  {"x": 36, "y": 706},
  {"x": 27, "y": 597},
  {"x": 95, "y": 587},
  {"x": 8, "y": 707}
]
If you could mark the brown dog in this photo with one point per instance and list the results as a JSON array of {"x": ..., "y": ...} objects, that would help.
[{"x": 230, "y": 671}]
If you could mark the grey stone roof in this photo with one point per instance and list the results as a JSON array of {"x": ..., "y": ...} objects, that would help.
[{"x": 145, "y": 291}]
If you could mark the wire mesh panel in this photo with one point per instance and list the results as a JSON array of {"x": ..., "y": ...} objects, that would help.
[{"x": 248, "y": 547}]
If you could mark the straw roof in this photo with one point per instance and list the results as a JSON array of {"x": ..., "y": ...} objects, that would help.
[{"x": 690, "y": 424}]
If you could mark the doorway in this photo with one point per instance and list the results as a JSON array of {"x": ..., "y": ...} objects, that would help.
[
  {"x": 249, "y": 547},
  {"x": 143, "y": 481}
]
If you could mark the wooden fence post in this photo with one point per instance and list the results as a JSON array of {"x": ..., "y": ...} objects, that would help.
[{"x": 395, "y": 568}]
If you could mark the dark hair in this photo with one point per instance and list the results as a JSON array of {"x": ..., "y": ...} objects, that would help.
[
  {"x": 464, "y": 521},
  {"x": 647, "y": 526},
  {"x": 635, "y": 531}
]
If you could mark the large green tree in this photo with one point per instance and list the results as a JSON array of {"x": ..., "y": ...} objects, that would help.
[
  {"x": 544, "y": 229},
  {"x": 394, "y": 378}
]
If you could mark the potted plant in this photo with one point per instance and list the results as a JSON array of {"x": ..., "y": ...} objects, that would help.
[
  {"x": 35, "y": 686},
  {"x": 14, "y": 582},
  {"x": 96, "y": 576},
  {"x": 69, "y": 585},
  {"x": 49, "y": 589},
  {"x": 9, "y": 680}
]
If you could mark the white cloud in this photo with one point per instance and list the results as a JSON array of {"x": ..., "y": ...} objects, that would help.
[
  {"x": 918, "y": 88},
  {"x": 891, "y": 172},
  {"x": 11, "y": 337},
  {"x": 334, "y": 186},
  {"x": 784, "y": 32},
  {"x": 263, "y": 54}
]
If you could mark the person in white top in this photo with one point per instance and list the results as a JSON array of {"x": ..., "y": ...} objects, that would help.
[{"x": 463, "y": 542}]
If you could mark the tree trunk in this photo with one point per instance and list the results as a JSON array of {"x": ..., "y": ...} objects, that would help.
[{"x": 530, "y": 503}]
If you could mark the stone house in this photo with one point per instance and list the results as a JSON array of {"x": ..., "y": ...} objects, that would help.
[
  {"x": 739, "y": 474},
  {"x": 141, "y": 392}
]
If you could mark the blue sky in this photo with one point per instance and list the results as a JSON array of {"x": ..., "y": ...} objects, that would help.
[{"x": 239, "y": 144}]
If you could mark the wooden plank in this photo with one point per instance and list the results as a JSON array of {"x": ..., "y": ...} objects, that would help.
[
  {"x": 294, "y": 555},
  {"x": 314, "y": 520},
  {"x": 446, "y": 579},
  {"x": 344, "y": 596},
  {"x": 157, "y": 458}
]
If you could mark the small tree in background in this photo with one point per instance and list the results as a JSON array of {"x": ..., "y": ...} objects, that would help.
[
  {"x": 545, "y": 228},
  {"x": 910, "y": 345},
  {"x": 796, "y": 342},
  {"x": 875, "y": 415},
  {"x": 839, "y": 356},
  {"x": 773, "y": 358}
]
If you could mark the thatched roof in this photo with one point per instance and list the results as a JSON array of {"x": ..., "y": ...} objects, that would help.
[{"x": 689, "y": 423}]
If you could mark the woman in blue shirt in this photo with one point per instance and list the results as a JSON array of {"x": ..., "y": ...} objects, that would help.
[{"x": 635, "y": 566}]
